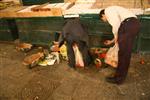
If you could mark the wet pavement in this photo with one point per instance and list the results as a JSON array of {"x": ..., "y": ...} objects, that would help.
[{"x": 59, "y": 82}]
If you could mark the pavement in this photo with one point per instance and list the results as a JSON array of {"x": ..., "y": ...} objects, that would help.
[{"x": 60, "y": 82}]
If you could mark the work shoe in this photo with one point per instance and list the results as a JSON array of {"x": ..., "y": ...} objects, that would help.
[{"x": 113, "y": 80}]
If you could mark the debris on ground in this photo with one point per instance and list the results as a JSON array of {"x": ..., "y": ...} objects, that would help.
[
  {"x": 33, "y": 59},
  {"x": 62, "y": 50},
  {"x": 50, "y": 59},
  {"x": 23, "y": 47},
  {"x": 98, "y": 54},
  {"x": 98, "y": 63},
  {"x": 142, "y": 61}
]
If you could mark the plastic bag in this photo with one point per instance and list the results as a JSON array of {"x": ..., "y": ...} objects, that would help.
[
  {"x": 63, "y": 52},
  {"x": 78, "y": 56},
  {"x": 112, "y": 56}
]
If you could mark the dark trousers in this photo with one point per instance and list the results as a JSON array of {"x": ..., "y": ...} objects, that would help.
[
  {"x": 127, "y": 32},
  {"x": 83, "y": 48}
]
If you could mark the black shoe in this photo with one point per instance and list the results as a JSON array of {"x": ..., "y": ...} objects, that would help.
[{"x": 113, "y": 80}]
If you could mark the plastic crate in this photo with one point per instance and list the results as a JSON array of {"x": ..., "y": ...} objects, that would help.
[
  {"x": 145, "y": 25},
  {"x": 94, "y": 24},
  {"x": 143, "y": 43},
  {"x": 144, "y": 34},
  {"x": 97, "y": 40},
  {"x": 98, "y": 31},
  {"x": 39, "y": 30},
  {"x": 8, "y": 30}
]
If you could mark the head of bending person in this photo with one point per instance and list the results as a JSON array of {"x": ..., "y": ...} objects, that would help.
[{"x": 102, "y": 15}]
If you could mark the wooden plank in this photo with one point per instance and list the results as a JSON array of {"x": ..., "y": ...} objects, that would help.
[
  {"x": 52, "y": 12},
  {"x": 41, "y": 11},
  {"x": 11, "y": 11},
  {"x": 40, "y": 8},
  {"x": 71, "y": 5},
  {"x": 70, "y": 1},
  {"x": 25, "y": 11}
]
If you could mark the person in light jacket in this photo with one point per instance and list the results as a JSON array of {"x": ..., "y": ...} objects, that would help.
[{"x": 125, "y": 27}]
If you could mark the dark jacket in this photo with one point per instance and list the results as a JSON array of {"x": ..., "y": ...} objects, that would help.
[{"x": 74, "y": 30}]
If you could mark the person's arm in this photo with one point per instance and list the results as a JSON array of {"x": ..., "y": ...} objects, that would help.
[
  {"x": 61, "y": 42},
  {"x": 58, "y": 42},
  {"x": 65, "y": 30},
  {"x": 109, "y": 42},
  {"x": 62, "y": 38},
  {"x": 114, "y": 20}
]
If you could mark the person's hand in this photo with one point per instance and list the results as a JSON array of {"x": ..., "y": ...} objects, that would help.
[
  {"x": 55, "y": 48},
  {"x": 55, "y": 43},
  {"x": 108, "y": 42}
]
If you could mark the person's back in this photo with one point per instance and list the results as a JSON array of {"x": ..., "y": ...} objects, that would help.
[
  {"x": 74, "y": 32},
  {"x": 122, "y": 12},
  {"x": 73, "y": 29}
]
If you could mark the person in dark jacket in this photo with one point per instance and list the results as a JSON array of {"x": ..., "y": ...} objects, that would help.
[{"x": 74, "y": 32}]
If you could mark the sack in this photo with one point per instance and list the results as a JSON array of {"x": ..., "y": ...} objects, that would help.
[
  {"x": 78, "y": 56},
  {"x": 112, "y": 56}
]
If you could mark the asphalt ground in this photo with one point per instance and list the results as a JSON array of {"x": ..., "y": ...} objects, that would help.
[{"x": 60, "y": 82}]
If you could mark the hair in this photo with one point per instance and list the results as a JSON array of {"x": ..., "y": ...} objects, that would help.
[{"x": 101, "y": 13}]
